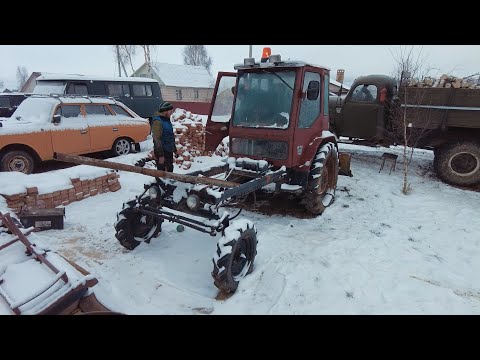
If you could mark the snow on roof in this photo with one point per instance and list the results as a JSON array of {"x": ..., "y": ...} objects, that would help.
[
  {"x": 94, "y": 78},
  {"x": 184, "y": 75},
  {"x": 334, "y": 82}
]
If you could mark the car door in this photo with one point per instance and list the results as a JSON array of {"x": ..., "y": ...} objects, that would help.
[
  {"x": 218, "y": 120},
  {"x": 312, "y": 114},
  {"x": 70, "y": 135},
  {"x": 360, "y": 113},
  {"x": 102, "y": 126}
]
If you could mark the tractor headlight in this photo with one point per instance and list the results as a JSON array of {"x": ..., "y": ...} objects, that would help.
[
  {"x": 153, "y": 192},
  {"x": 193, "y": 201}
]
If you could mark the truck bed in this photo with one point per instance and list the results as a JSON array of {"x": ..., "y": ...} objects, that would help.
[{"x": 436, "y": 107}]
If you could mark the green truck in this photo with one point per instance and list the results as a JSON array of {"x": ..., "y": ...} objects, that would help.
[{"x": 445, "y": 120}]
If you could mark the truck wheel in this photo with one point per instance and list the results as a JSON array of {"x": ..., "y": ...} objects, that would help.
[
  {"x": 458, "y": 163},
  {"x": 133, "y": 227},
  {"x": 17, "y": 160},
  {"x": 322, "y": 180},
  {"x": 121, "y": 146},
  {"x": 236, "y": 251}
]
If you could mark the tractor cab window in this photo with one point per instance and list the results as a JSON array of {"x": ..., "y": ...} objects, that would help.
[
  {"x": 264, "y": 99},
  {"x": 222, "y": 108},
  {"x": 310, "y": 108},
  {"x": 365, "y": 93}
]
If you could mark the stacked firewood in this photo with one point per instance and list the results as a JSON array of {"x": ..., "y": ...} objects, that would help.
[
  {"x": 445, "y": 81},
  {"x": 189, "y": 132}
]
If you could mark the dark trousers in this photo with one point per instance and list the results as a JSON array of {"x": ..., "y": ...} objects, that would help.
[{"x": 168, "y": 164}]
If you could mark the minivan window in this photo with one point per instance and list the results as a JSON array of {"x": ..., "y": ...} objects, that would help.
[
  {"x": 119, "y": 110},
  {"x": 142, "y": 90},
  {"x": 68, "y": 111},
  {"x": 4, "y": 102},
  {"x": 97, "y": 109},
  {"x": 49, "y": 87},
  {"x": 80, "y": 89},
  {"x": 118, "y": 89}
]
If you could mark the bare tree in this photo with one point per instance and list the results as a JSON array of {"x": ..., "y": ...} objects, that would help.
[
  {"x": 408, "y": 70},
  {"x": 197, "y": 55},
  {"x": 128, "y": 52},
  {"x": 1, "y": 84},
  {"x": 120, "y": 58},
  {"x": 147, "y": 50},
  {"x": 22, "y": 76}
]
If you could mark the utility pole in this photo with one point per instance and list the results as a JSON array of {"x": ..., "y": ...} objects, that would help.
[
  {"x": 249, "y": 51},
  {"x": 118, "y": 60}
]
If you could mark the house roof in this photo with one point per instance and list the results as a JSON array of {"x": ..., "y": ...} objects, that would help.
[
  {"x": 334, "y": 82},
  {"x": 184, "y": 75}
]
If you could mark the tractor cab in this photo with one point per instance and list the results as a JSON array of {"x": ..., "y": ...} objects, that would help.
[{"x": 271, "y": 110}]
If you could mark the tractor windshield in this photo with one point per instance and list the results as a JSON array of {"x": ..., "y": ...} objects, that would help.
[{"x": 264, "y": 99}]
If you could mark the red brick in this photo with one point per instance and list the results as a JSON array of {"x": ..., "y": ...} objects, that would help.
[
  {"x": 64, "y": 192},
  {"x": 15, "y": 196},
  {"x": 65, "y": 203},
  {"x": 75, "y": 180},
  {"x": 32, "y": 190},
  {"x": 56, "y": 193},
  {"x": 57, "y": 203},
  {"x": 79, "y": 196}
]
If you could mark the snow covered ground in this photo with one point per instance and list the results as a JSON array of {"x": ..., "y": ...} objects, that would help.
[{"x": 374, "y": 251}]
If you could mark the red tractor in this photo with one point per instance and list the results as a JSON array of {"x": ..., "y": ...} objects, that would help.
[{"x": 277, "y": 112}]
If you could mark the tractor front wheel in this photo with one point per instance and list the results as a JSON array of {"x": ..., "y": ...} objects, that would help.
[
  {"x": 322, "y": 180},
  {"x": 236, "y": 251},
  {"x": 133, "y": 227}
]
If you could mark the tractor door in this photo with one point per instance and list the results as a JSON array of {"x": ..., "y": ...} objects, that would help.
[
  {"x": 218, "y": 120},
  {"x": 362, "y": 114}
]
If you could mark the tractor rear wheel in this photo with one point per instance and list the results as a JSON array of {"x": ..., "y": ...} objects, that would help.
[
  {"x": 133, "y": 227},
  {"x": 322, "y": 180},
  {"x": 236, "y": 251}
]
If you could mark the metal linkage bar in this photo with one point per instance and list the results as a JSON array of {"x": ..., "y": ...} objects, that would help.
[{"x": 194, "y": 224}]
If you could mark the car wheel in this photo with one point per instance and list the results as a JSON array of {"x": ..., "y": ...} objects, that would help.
[
  {"x": 17, "y": 160},
  {"x": 122, "y": 146}
]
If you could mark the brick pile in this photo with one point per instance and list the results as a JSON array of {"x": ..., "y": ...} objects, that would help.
[
  {"x": 223, "y": 148},
  {"x": 189, "y": 137},
  {"x": 80, "y": 189}
]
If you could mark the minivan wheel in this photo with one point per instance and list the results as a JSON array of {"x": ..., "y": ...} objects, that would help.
[
  {"x": 17, "y": 160},
  {"x": 122, "y": 147}
]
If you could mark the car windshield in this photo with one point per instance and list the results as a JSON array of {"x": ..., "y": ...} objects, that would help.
[{"x": 264, "y": 99}]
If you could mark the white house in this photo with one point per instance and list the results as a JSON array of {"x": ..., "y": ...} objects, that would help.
[{"x": 185, "y": 83}]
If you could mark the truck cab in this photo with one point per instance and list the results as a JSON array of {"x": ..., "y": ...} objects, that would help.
[{"x": 363, "y": 112}]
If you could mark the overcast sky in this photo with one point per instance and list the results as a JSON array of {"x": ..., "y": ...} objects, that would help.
[{"x": 357, "y": 60}]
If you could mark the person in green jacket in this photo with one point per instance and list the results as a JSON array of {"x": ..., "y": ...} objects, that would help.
[{"x": 163, "y": 137}]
